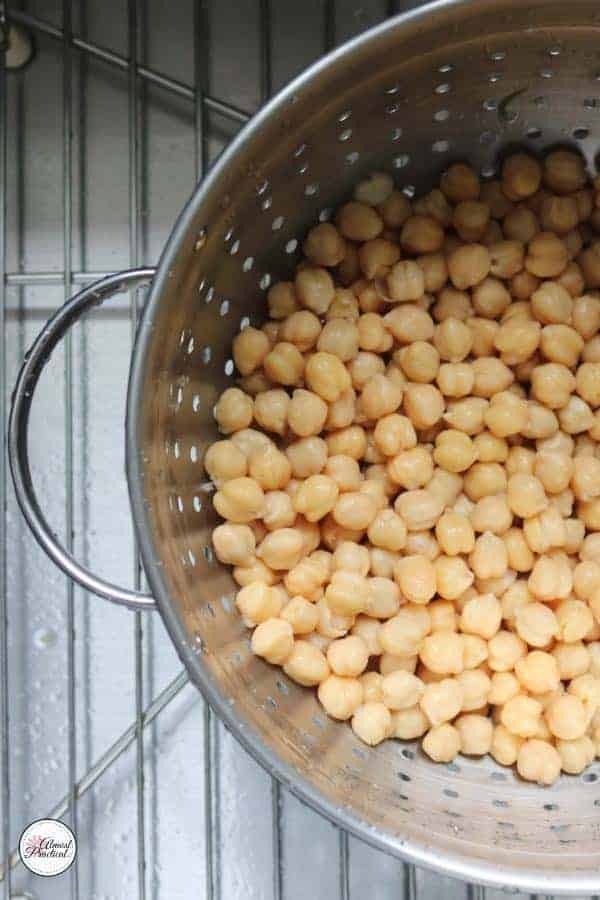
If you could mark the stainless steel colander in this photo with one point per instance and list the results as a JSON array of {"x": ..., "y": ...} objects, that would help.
[{"x": 453, "y": 80}]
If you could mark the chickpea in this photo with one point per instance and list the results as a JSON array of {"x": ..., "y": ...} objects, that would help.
[
  {"x": 490, "y": 448},
  {"x": 506, "y": 258},
  {"x": 240, "y": 500},
  {"x": 481, "y": 616},
  {"x": 409, "y": 323},
  {"x": 552, "y": 384},
  {"x": 574, "y": 619},
  {"x": 586, "y": 315},
  {"x": 575, "y": 416},
  {"x": 483, "y": 480},
  {"x": 442, "y": 743},
  {"x": 566, "y": 717},
  {"x": 443, "y": 616},
  {"x": 347, "y": 593},
  {"x": 455, "y": 534},
  {"x": 348, "y": 656},
  {"x": 517, "y": 340},
  {"x": 349, "y": 556},
  {"x": 354, "y": 510},
  {"x": 273, "y": 639},
  {"x": 564, "y": 172},
  {"x": 380, "y": 397},
  {"x": 542, "y": 422},
  {"x": 382, "y": 563},
  {"x": 476, "y": 734},
  {"x": 467, "y": 415},
  {"x": 306, "y": 664},
  {"x": 372, "y": 723},
  {"x": 307, "y": 456},
  {"x": 415, "y": 576},
  {"x": 545, "y": 531},
  {"x": 589, "y": 263},
  {"x": 307, "y": 413},
  {"x": 271, "y": 410},
  {"x": 551, "y": 304},
  {"x": 452, "y": 304},
  {"x": 442, "y": 653},
  {"x": 503, "y": 687},
  {"x": 419, "y": 509},
  {"x": 408, "y": 724},
  {"x": 492, "y": 513},
  {"x": 224, "y": 461},
  {"x": 394, "y": 210},
  {"x": 588, "y": 382},
  {"x": 469, "y": 265},
  {"x": 526, "y": 495},
  {"x": 521, "y": 715},
  {"x": 405, "y": 281},
  {"x": 423, "y": 404},
  {"x": 340, "y": 697},
  {"x": 589, "y": 513},
  {"x": 521, "y": 176},
  {"x": 523, "y": 284},
  {"x": 559, "y": 214},
  {"x": 474, "y": 651},
  {"x": 234, "y": 544},
  {"x": 491, "y": 376},
  {"x": 390, "y": 662},
  {"x": 256, "y": 571},
  {"x": 554, "y": 470},
  {"x": 507, "y": 413},
  {"x": 520, "y": 556},
  {"x": 402, "y": 634},
  {"x": 575, "y": 534},
  {"x": 460, "y": 183},
  {"x": 470, "y": 219},
  {"x": 455, "y": 379},
  {"x": 345, "y": 304},
  {"x": 234, "y": 410},
  {"x": 359, "y": 222},
  {"x": 342, "y": 412},
  {"x": 419, "y": 361},
  {"x": 363, "y": 367},
  {"x": 505, "y": 746},
  {"x": 441, "y": 701},
  {"x": 326, "y": 375},
  {"x": 435, "y": 271},
  {"x": 401, "y": 690},
  {"x": 257, "y": 602},
  {"x": 538, "y": 761},
  {"x": 411, "y": 468},
  {"x": 281, "y": 549},
  {"x": 453, "y": 340},
  {"x": 284, "y": 364},
  {"x": 520, "y": 224},
  {"x": 484, "y": 334},
  {"x": 394, "y": 433},
  {"x": 421, "y": 234},
  {"x": 324, "y": 246},
  {"x": 422, "y": 543},
  {"x": 547, "y": 256},
  {"x": 576, "y": 755},
  {"x": 282, "y": 300}
]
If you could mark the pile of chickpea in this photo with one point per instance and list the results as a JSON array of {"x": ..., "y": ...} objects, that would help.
[{"x": 410, "y": 474}]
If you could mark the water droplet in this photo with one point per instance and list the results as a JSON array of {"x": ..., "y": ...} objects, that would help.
[{"x": 44, "y": 638}]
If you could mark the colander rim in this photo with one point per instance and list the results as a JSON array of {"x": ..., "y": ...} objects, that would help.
[{"x": 450, "y": 863}]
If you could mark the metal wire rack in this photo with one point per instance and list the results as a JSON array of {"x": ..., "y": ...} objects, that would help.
[{"x": 104, "y": 133}]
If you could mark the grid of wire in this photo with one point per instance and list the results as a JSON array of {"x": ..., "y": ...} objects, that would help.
[{"x": 248, "y": 837}]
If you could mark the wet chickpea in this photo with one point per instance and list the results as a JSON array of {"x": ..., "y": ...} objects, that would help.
[
  {"x": 455, "y": 379},
  {"x": 406, "y": 281},
  {"x": 517, "y": 340},
  {"x": 411, "y": 469},
  {"x": 387, "y": 530},
  {"x": 484, "y": 333},
  {"x": 454, "y": 533},
  {"x": 506, "y": 258},
  {"x": 561, "y": 344},
  {"x": 282, "y": 300},
  {"x": 470, "y": 219},
  {"x": 506, "y": 415},
  {"x": 492, "y": 513},
  {"x": 422, "y": 543},
  {"x": 564, "y": 172},
  {"x": 523, "y": 284},
  {"x": 380, "y": 397},
  {"x": 538, "y": 761},
  {"x": 452, "y": 304},
  {"x": 306, "y": 664},
  {"x": 234, "y": 410},
  {"x": 223, "y": 461},
  {"x": 302, "y": 329},
  {"x": 589, "y": 263},
  {"x": 446, "y": 486},
  {"x": 372, "y": 723},
  {"x": 307, "y": 456},
  {"x": 586, "y": 478},
  {"x": 393, "y": 434},
  {"x": 566, "y": 717},
  {"x": 520, "y": 555},
  {"x": 454, "y": 450},
  {"x": 575, "y": 416},
  {"x": 394, "y": 209},
  {"x": 340, "y": 697},
  {"x": 586, "y": 316},
  {"x": 520, "y": 224},
  {"x": 521, "y": 176},
  {"x": 354, "y": 510},
  {"x": 359, "y": 222},
  {"x": 421, "y": 234},
  {"x": 351, "y": 441},
  {"x": 284, "y": 364},
  {"x": 435, "y": 271},
  {"x": 403, "y": 633},
  {"x": 416, "y": 578},
  {"x": 468, "y": 265},
  {"x": 483, "y": 480},
  {"x": 419, "y": 361},
  {"x": 409, "y": 323},
  {"x": 559, "y": 214},
  {"x": 453, "y": 577},
  {"x": 315, "y": 289},
  {"x": 460, "y": 183},
  {"x": 588, "y": 383},
  {"x": 453, "y": 340},
  {"x": 547, "y": 255},
  {"x": 324, "y": 246},
  {"x": 481, "y": 616},
  {"x": 419, "y": 509},
  {"x": 423, "y": 404},
  {"x": 552, "y": 384},
  {"x": 467, "y": 414}
]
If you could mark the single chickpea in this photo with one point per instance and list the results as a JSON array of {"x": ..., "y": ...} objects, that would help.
[
  {"x": 526, "y": 495},
  {"x": 586, "y": 578},
  {"x": 491, "y": 376},
  {"x": 315, "y": 289},
  {"x": 559, "y": 214},
  {"x": 423, "y": 404},
  {"x": 390, "y": 662},
  {"x": 575, "y": 416},
  {"x": 340, "y": 697},
  {"x": 520, "y": 556},
  {"x": 411, "y": 469},
  {"x": 348, "y": 656},
  {"x": 257, "y": 602},
  {"x": 394, "y": 433},
  {"x": 564, "y": 503},
  {"x": 474, "y": 651},
  {"x": 240, "y": 500},
  {"x": 307, "y": 413},
  {"x": 469, "y": 265},
  {"x": 382, "y": 563},
  {"x": 574, "y": 619},
  {"x": 521, "y": 176},
  {"x": 564, "y": 172},
  {"x": 442, "y": 653},
  {"x": 547, "y": 255},
  {"x": 589, "y": 263},
  {"x": 270, "y": 468},
  {"x": 538, "y": 672},
  {"x": 490, "y": 447},
  {"x": 520, "y": 224},
  {"x": 492, "y": 513},
  {"x": 422, "y": 543},
  {"x": 434, "y": 204},
  {"x": 419, "y": 361},
  {"x": 387, "y": 530},
  {"x": 349, "y": 556},
  {"x": 542, "y": 422},
  {"x": 490, "y": 298},
  {"x": 281, "y": 549},
  {"x": 342, "y": 412},
  {"x": 481, "y": 616},
  {"x": 443, "y": 616},
  {"x": 344, "y": 470},
  {"x": 442, "y": 743},
  {"x": 588, "y": 382},
  {"x": 538, "y": 761},
  {"x": 567, "y": 717},
  {"x": 453, "y": 340},
  {"x": 403, "y": 633},
  {"x": 561, "y": 344},
  {"x": 345, "y": 303},
  {"x": 371, "y": 687},
  {"x": 484, "y": 480},
  {"x": 523, "y": 284},
  {"x": 435, "y": 271},
  {"x": 517, "y": 340},
  {"x": 359, "y": 222},
  {"x": 571, "y": 277},
  {"x": 476, "y": 733},
  {"x": 363, "y": 367},
  {"x": 380, "y": 397},
  {"x": 455, "y": 534},
  {"x": 586, "y": 478},
  {"x": 224, "y": 461},
  {"x": 408, "y": 724},
  {"x": 586, "y": 315},
  {"x": 521, "y": 715},
  {"x": 271, "y": 410},
  {"x": 307, "y": 456},
  {"x": 452, "y": 304},
  {"x": 249, "y": 349},
  {"x": 554, "y": 469},
  {"x": 552, "y": 384},
  {"x": 255, "y": 572},
  {"x": 446, "y": 486},
  {"x": 470, "y": 219},
  {"x": 327, "y": 376},
  {"x": 401, "y": 690},
  {"x": 476, "y": 687},
  {"x": 441, "y": 701},
  {"x": 589, "y": 513},
  {"x": 576, "y": 755},
  {"x": 394, "y": 210},
  {"x": 484, "y": 334},
  {"x": 421, "y": 234},
  {"x": 282, "y": 300},
  {"x": 234, "y": 410},
  {"x": 347, "y": 593},
  {"x": 505, "y": 746},
  {"x": 316, "y": 497},
  {"x": 419, "y": 509},
  {"x": 545, "y": 531},
  {"x": 575, "y": 536},
  {"x": 284, "y": 364},
  {"x": 536, "y": 624},
  {"x": 507, "y": 413},
  {"x": 503, "y": 687},
  {"x": 506, "y": 258},
  {"x": 324, "y": 246},
  {"x": 372, "y": 723},
  {"x": 234, "y": 544},
  {"x": 416, "y": 578},
  {"x": 467, "y": 414},
  {"x": 455, "y": 379},
  {"x": 409, "y": 323},
  {"x": 492, "y": 194},
  {"x": 460, "y": 183},
  {"x": 354, "y": 510},
  {"x": 551, "y": 304},
  {"x": 351, "y": 441},
  {"x": 306, "y": 664},
  {"x": 405, "y": 281},
  {"x": 367, "y": 629},
  {"x": 273, "y": 639},
  {"x": 302, "y": 329}
]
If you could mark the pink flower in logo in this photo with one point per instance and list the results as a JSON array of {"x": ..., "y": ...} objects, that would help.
[{"x": 34, "y": 845}]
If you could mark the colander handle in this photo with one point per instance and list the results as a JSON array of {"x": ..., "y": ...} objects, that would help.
[{"x": 35, "y": 360}]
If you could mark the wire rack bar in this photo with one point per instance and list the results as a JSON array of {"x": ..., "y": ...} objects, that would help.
[
  {"x": 228, "y": 110},
  {"x": 108, "y": 758},
  {"x": 4, "y": 741}
]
